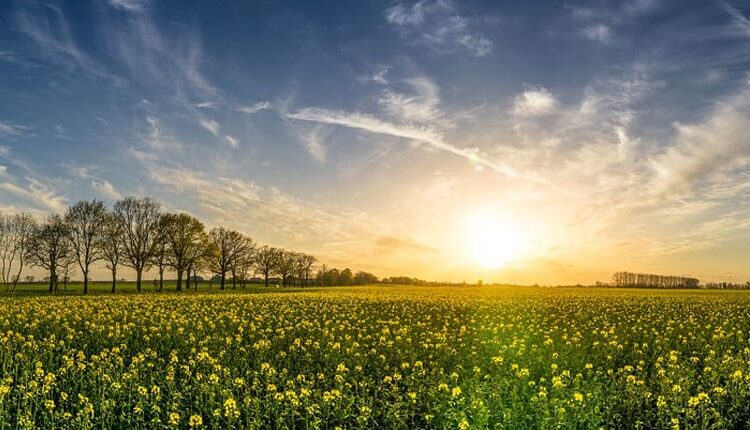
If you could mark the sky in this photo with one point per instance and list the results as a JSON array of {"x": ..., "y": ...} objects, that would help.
[{"x": 520, "y": 142}]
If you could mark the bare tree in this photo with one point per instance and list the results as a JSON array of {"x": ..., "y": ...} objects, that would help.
[
  {"x": 226, "y": 250},
  {"x": 86, "y": 222},
  {"x": 15, "y": 236},
  {"x": 266, "y": 260},
  {"x": 185, "y": 237},
  {"x": 161, "y": 259},
  {"x": 111, "y": 246},
  {"x": 139, "y": 221},
  {"x": 245, "y": 263},
  {"x": 49, "y": 247},
  {"x": 303, "y": 266},
  {"x": 285, "y": 265}
]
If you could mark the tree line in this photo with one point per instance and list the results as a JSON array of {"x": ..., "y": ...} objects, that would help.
[
  {"x": 137, "y": 234},
  {"x": 629, "y": 279}
]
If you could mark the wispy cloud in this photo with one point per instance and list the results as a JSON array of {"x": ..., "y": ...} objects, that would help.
[
  {"x": 420, "y": 105},
  {"x": 313, "y": 142},
  {"x": 254, "y": 108},
  {"x": 712, "y": 148},
  {"x": 106, "y": 189},
  {"x": 741, "y": 22},
  {"x": 438, "y": 25},
  {"x": 210, "y": 125},
  {"x": 153, "y": 55},
  {"x": 598, "y": 32},
  {"x": 9, "y": 129},
  {"x": 35, "y": 193},
  {"x": 48, "y": 28},
  {"x": 533, "y": 102},
  {"x": 130, "y": 5},
  {"x": 232, "y": 141},
  {"x": 418, "y": 134}
]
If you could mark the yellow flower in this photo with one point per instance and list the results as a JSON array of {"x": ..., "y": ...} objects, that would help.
[
  {"x": 456, "y": 391},
  {"x": 174, "y": 418},
  {"x": 578, "y": 397}
]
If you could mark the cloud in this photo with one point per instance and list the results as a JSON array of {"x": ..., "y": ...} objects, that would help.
[
  {"x": 106, "y": 189},
  {"x": 266, "y": 213},
  {"x": 210, "y": 125},
  {"x": 709, "y": 149},
  {"x": 739, "y": 19},
  {"x": 255, "y": 108},
  {"x": 534, "y": 102},
  {"x": 419, "y": 134},
  {"x": 130, "y": 5},
  {"x": 206, "y": 105},
  {"x": 153, "y": 55},
  {"x": 598, "y": 33},
  {"x": 35, "y": 193},
  {"x": 437, "y": 25},
  {"x": 232, "y": 141},
  {"x": 313, "y": 142},
  {"x": 9, "y": 129},
  {"x": 420, "y": 105},
  {"x": 50, "y": 31},
  {"x": 390, "y": 244},
  {"x": 157, "y": 140}
]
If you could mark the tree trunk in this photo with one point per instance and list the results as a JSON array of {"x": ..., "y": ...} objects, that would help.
[
  {"x": 223, "y": 280},
  {"x": 187, "y": 280},
  {"x": 85, "y": 282},
  {"x": 52, "y": 281},
  {"x": 266, "y": 275},
  {"x": 114, "y": 279},
  {"x": 234, "y": 279},
  {"x": 138, "y": 277},
  {"x": 283, "y": 281},
  {"x": 179, "y": 280},
  {"x": 161, "y": 279}
]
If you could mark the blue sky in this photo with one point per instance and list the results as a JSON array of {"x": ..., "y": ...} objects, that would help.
[{"x": 600, "y": 136}]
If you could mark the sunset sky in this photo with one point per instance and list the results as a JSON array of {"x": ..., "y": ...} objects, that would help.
[{"x": 399, "y": 138}]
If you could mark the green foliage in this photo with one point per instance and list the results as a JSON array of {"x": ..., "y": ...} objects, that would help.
[{"x": 391, "y": 357}]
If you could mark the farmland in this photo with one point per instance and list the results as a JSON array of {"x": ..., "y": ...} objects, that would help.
[{"x": 367, "y": 357}]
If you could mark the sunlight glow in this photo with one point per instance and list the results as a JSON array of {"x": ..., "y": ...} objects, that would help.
[{"x": 493, "y": 241}]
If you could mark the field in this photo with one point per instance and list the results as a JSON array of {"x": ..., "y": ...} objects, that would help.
[{"x": 378, "y": 357}]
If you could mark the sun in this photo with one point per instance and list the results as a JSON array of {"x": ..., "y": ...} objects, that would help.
[{"x": 493, "y": 241}]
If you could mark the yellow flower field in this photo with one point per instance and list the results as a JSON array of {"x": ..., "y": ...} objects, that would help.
[{"x": 378, "y": 357}]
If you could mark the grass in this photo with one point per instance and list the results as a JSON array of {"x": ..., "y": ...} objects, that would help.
[
  {"x": 129, "y": 287},
  {"x": 377, "y": 357}
]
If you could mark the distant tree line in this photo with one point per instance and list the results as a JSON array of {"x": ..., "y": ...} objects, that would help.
[
  {"x": 727, "y": 286},
  {"x": 645, "y": 280},
  {"x": 137, "y": 234}
]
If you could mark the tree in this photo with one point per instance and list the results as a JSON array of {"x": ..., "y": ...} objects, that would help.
[
  {"x": 160, "y": 259},
  {"x": 111, "y": 246},
  {"x": 66, "y": 268},
  {"x": 364, "y": 278},
  {"x": 86, "y": 222},
  {"x": 139, "y": 221},
  {"x": 49, "y": 247},
  {"x": 245, "y": 263},
  {"x": 16, "y": 232},
  {"x": 303, "y": 267},
  {"x": 225, "y": 252},
  {"x": 346, "y": 277},
  {"x": 285, "y": 265},
  {"x": 266, "y": 260},
  {"x": 185, "y": 236}
]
